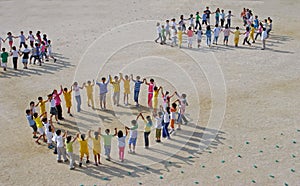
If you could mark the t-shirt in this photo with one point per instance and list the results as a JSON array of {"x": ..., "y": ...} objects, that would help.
[
  {"x": 22, "y": 38},
  {"x": 173, "y": 33},
  {"x": 166, "y": 117},
  {"x": 229, "y": 16},
  {"x": 163, "y": 32},
  {"x": 204, "y": 16},
  {"x": 137, "y": 85},
  {"x": 148, "y": 126},
  {"x": 207, "y": 12},
  {"x": 237, "y": 34},
  {"x": 158, "y": 122},
  {"x": 31, "y": 37},
  {"x": 96, "y": 144},
  {"x": 116, "y": 85},
  {"x": 217, "y": 31},
  {"x": 158, "y": 29},
  {"x": 59, "y": 141},
  {"x": 167, "y": 27},
  {"x": 199, "y": 34},
  {"x": 30, "y": 120},
  {"x": 76, "y": 90},
  {"x": 252, "y": 30},
  {"x": 208, "y": 33},
  {"x": 15, "y": 53},
  {"x": 26, "y": 52},
  {"x": 173, "y": 112},
  {"x": 38, "y": 122},
  {"x": 83, "y": 145},
  {"x": 69, "y": 146},
  {"x": 107, "y": 139},
  {"x": 89, "y": 89},
  {"x": 264, "y": 35},
  {"x": 103, "y": 86},
  {"x": 133, "y": 131},
  {"x": 226, "y": 31},
  {"x": 190, "y": 33},
  {"x": 222, "y": 15},
  {"x": 43, "y": 106},
  {"x": 197, "y": 17},
  {"x": 49, "y": 136},
  {"x": 121, "y": 141},
  {"x": 4, "y": 57},
  {"x": 52, "y": 103}
]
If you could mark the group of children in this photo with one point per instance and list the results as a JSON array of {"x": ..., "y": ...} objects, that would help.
[
  {"x": 41, "y": 49},
  {"x": 168, "y": 113},
  {"x": 174, "y": 31}
]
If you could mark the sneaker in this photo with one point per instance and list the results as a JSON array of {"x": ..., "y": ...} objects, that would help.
[
  {"x": 71, "y": 115},
  {"x": 146, "y": 147},
  {"x": 66, "y": 160},
  {"x": 72, "y": 168},
  {"x": 54, "y": 60},
  {"x": 35, "y": 137},
  {"x": 99, "y": 163},
  {"x": 108, "y": 159},
  {"x": 87, "y": 161},
  {"x": 95, "y": 164},
  {"x": 54, "y": 152},
  {"x": 130, "y": 151},
  {"x": 59, "y": 161},
  {"x": 58, "y": 123},
  {"x": 50, "y": 147},
  {"x": 80, "y": 164}
]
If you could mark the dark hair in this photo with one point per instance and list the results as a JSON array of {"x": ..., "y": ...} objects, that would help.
[
  {"x": 216, "y": 25},
  {"x": 31, "y": 102},
  {"x": 58, "y": 132},
  {"x": 168, "y": 110},
  {"x": 208, "y": 27},
  {"x": 35, "y": 115},
  {"x": 152, "y": 80},
  {"x": 14, "y": 48},
  {"x": 82, "y": 136},
  {"x": 120, "y": 134},
  {"x": 50, "y": 128},
  {"x": 69, "y": 138},
  {"x": 107, "y": 130},
  {"x": 155, "y": 88},
  {"x": 40, "y": 98},
  {"x": 65, "y": 89},
  {"x": 167, "y": 92},
  {"x": 252, "y": 25},
  {"x": 190, "y": 28},
  {"x": 3, "y": 49},
  {"x": 226, "y": 26},
  {"x": 247, "y": 29},
  {"x": 103, "y": 79},
  {"x": 49, "y": 95},
  {"x": 44, "y": 120},
  {"x": 27, "y": 111},
  {"x": 25, "y": 46},
  {"x": 174, "y": 105},
  {"x": 237, "y": 27}
]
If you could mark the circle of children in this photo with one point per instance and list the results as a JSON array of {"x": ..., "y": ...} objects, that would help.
[
  {"x": 164, "y": 115},
  {"x": 41, "y": 49},
  {"x": 173, "y": 31}
]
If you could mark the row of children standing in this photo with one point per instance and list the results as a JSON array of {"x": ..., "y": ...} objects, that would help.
[
  {"x": 41, "y": 49},
  {"x": 164, "y": 115},
  {"x": 223, "y": 22}
]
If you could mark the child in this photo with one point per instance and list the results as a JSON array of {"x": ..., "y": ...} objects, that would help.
[
  {"x": 126, "y": 88},
  {"x": 150, "y": 91},
  {"x": 256, "y": 22},
  {"x": 61, "y": 151},
  {"x": 36, "y": 54},
  {"x": 68, "y": 99},
  {"x": 207, "y": 12},
  {"x": 39, "y": 125},
  {"x": 31, "y": 39},
  {"x": 14, "y": 53},
  {"x": 182, "y": 23},
  {"x": 216, "y": 32},
  {"x": 158, "y": 31},
  {"x": 116, "y": 89},
  {"x": 83, "y": 148},
  {"x": 168, "y": 33},
  {"x": 270, "y": 26},
  {"x": 76, "y": 88},
  {"x": 22, "y": 39},
  {"x": 158, "y": 126},
  {"x": 173, "y": 36},
  {"x": 163, "y": 34},
  {"x": 222, "y": 15},
  {"x": 49, "y": 130},
  {"x": 166, "y": 98},
  {"x": 147, "y": 129},
  {"x": 190, "y": 35},
  {"x": 226, "y": 32},
  {"x": 132, "y": 136},
  {"x": 252, "y": 31},
  {"x": 259, "y": 30},
  {"x": 103, "y": 90},
  {"x": 31, "y": 122},
  {"x": 204, "y": 18},
  {"x": 217, "y": 16},
  {"x": 69, "y": 148},
  {"x": 10, "y": 39},
  {"x": 4, "y": 56},
  {"x": 198, "y": 21},
  {"x": 237, "y": 34},
  {"x": 38, "y": 37},
  {"x": 53, "y": 110},
  {"x": 229, "y": 18},
  {"x": 25, "y": 53},
  {"x": 32, "y": 107},
  {"x": 43, "y": 51},
  {"x": 173, "y": 117},
  {"x": 137, "y": 87},
  {"x": 121, "y": 143},
  {"x": 49, "y": 49},
  {"x": 191, "y": 20},
  {"x": 89, "y": 92},
  {"x": 264, "y": 36},
  {"x": 56, "y": 95},
  {"x": 107, "y": 142},
  {"x": 247, "y": 36},
  {"x": 208, "y": 36},
  {"x": 155, "y": 98},
  {"x": 96, "y": 146},
  {"x": 199, "y": 37},
  {"x": 179, "y": 33},
  {"x": 166, "y": 122}
]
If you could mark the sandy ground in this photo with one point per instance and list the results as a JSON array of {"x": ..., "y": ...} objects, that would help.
[{"x": 257, "y": 90}]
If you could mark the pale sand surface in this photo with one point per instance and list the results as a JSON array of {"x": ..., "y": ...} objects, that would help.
[{"x": 261, "y": 91}]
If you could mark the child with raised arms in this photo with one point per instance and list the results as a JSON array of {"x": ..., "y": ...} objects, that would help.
[
  {"x": 121, "y": 143},
  {"x": 40, "y": 127},
  {"x": 103, "y": 91},
  {"x": 155, "y": 98},
  {"x": 49, "y": 130},
  {"x": 61, "y": 151},
  {"x": 107, "y": 142},
  {"x": 96, "y": 146},
  {"x": 116, "y": 89},
  {"x": 76, "y": 89},
  {"x": 68, "y": 99},
  {"x": 83, "y": 148},
  {"x": 137, "y": 87},
  {"x": 147, "y": 129},
  {"x": 4, "y": 57},
  {"x": 69, "y": 148},
  {"x": 31, "y": 122},
  {"x": 151, "y": 85},
  {"x": 132, "y": 136}
]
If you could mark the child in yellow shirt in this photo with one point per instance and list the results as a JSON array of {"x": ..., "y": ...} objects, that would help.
[
  {"x": 116, "y": 88},
  {"x": 89, "y": 92},
  {"x": 83, "y": 148},
  {"x": 179, "y": 33},
  {"x": 96, "y": 146},
  {"x": 42, "y": 104},
  {"x": 237, "y": 34},
  {"x": 126, "y": 88},
  {"x": 68, "y": 99},
  {"x": 155, "y": 98},
  {"x": 252, "y": 31}
]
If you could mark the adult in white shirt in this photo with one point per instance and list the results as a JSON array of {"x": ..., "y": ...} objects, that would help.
[{"x": 264, "y": 36}]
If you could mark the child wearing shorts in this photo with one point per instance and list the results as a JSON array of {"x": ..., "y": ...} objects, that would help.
[
  {"x": 4, "y": 57},
  {"x": 158, "y": 126},
  {"x": 83, "y": 148},
  {"x": 96, "y": 146},
  {"x": 132, "y": 136},
  {"x": 31, "y": 122}
]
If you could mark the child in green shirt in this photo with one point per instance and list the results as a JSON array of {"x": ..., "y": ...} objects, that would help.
[{"x": 4, "y": 56}]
